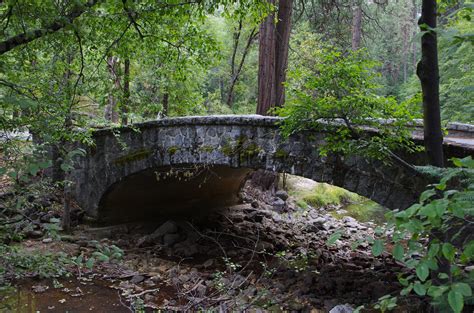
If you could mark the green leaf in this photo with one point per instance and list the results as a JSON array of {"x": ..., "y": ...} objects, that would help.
[
  {"x": 398, "y": 252},
  {"x": 377, "y": 247},
  {"x": 433, "y": 250},
  {"x": 406, "y": 290},
  {"x": 422, "y": 271},
  {"x": 437, "y": 291},
  {"x": 79, "y": 259},
  {"x": 443, "y": 276},
  {"x": 427, "y": 194},
  {"x": 419, "y": 288},
  {"x": 100, "y": 256},
  {"x": 333, "y": 238},
  {"x": 468, "y": 253},
  {"x": 462, "y": 288},
  {"x": 465, "y": 162},
  {"x": 456, "y": 301},
  {"x": 358, "y": 309},
  {"x": 449, "y": 251},
  {"x": 90, "y": 263}
]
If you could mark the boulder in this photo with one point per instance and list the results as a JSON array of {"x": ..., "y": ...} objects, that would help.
[
  {"x": 278, "y": 205},
  {"x": 342, "y": 308},
  {"x": 282, "y": 194}
]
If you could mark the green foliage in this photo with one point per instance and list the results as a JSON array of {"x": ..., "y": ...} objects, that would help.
[
  {"x": 17, "y": 263},
  {"x": 434, "y": 239},
  {"x": 106, "y": 253},
  {"x": 339, "y": 93}
]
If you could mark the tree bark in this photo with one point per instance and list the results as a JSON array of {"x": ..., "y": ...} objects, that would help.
[
  {"x": 111, "y": 113},
  {"x": 273, "y": 57},
  {"x": 356, "y": 25},
  {"x": 428, "y": 72},
  {"x": 266, "y": 64},
  {"x": 230, "y": 93},
  {"x": 283, "y": 29},
  {"x": 414, "y": 47},
  {"x": 126, "y": 91},
  {"x": 60, "y": 23},
  {"x": 165, "y": 103}
]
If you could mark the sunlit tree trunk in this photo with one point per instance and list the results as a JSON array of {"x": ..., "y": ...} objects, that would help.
[{"x": 428, "y": 72}]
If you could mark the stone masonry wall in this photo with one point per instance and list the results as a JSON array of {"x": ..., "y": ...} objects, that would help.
[{"x": 235, "y": 141}]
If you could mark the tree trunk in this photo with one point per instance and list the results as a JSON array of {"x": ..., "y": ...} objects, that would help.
[
  {"x": 428, "y": 72},
  {"x": 414, "y": 14},
  {"x": 356, "y": 25},
  {"x": 111, "y": 113},
  {"x": 230, "y": 93},
  {"x": 266, "y": 64},
  {"x": 273, "y": 57},
  {"x": 236, "y": 72},
  {"x": 283, "y": 29},
  {"x": 165, "y": 104},
  {"x": 126, "y": 91}
]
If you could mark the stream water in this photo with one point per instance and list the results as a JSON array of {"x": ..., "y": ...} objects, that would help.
[{"x": 72, "y": 296}]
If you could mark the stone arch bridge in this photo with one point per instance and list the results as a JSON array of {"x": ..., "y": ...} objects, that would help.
[{"x": 187, "y": 165}]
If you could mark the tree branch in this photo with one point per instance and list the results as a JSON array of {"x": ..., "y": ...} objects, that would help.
[
  {"x": 131, "y": 16},
  {"x": 29, "y": 36}
]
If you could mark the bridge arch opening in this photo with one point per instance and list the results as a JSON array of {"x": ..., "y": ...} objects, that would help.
[
  {"x": 194, "y": 191},
  {"x": 186, "y": 191}
]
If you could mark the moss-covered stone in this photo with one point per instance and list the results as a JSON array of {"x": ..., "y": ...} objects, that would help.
[
  {"x": 233, "y": 148},
  {"x": 207, "y": 149},
  {"x": 133, "y": 156},
  {"x": 281, "y": 154},
  {"x": 228, "y": 149},
  {"x": 249, "y": 151},
  {"x": 172, "y": 150}
]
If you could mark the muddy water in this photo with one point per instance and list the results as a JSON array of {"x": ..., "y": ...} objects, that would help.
[{"x": 73, "y": 296}]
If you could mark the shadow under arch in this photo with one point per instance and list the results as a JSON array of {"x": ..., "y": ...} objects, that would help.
[{"x": 188, "y": 191}]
